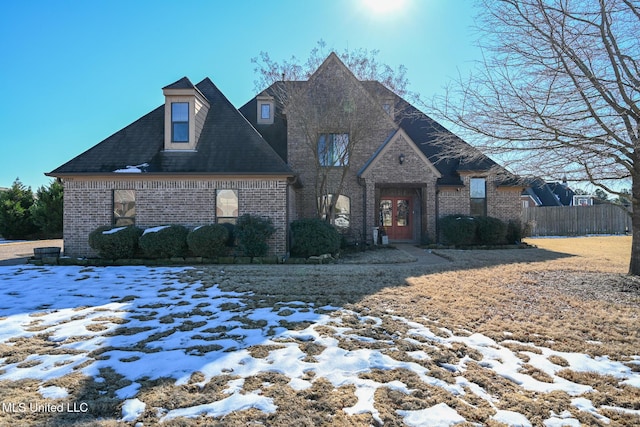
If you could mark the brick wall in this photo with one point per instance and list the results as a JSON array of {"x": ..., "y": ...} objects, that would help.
[
  {"x": 189, "y": 202},
  {"x": 502, "y": 202}
]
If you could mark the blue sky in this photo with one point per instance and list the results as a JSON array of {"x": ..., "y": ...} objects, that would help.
[{"x": 75, "y": 72}]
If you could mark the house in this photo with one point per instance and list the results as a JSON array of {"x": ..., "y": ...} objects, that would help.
[
  {"x": 397, "y": 174},
  {"x": 541, "y": 193},
  {"x": 364, "y": 156}
]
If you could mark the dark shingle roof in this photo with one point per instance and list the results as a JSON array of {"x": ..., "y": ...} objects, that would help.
[
  {"x": 422, "y": 129},
  {"x": 228, "y": 144}
]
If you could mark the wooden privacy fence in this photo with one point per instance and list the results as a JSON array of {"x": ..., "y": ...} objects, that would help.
[{"x": 577, "y": 220}]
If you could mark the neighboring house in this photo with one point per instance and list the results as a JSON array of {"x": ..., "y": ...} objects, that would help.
[
  {"x": 197, "y": 160},
  {"x": 193, "y": 161},
  {"x": 540, "y": 193},
  {"x": 397, "y": 177}
]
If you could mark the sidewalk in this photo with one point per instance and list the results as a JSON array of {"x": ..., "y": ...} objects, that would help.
[
  {"x": 422, "y": 256},
  {"x": 16, "y": 253}
]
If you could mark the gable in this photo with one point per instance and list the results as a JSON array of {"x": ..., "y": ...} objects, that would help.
[{"x": 398, "y": 143}]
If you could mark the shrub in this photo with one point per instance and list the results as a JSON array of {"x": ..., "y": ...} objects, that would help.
[
  {"x": 515, "y": 231},
  {"x": 209, "y": 241},
  {"x": 252, "y": 233},
  {"x": 115, "y": 242},
  {"x": 15, "y": 214},
  {"x": 314, "y": 237},
  {"x": 231, "y": 229},
  {"x": 164, "y": 242},
  {"x": 47, "y": 209},
  {"x": 458, "y": 230},
  {"x": 491, "y": 231}
]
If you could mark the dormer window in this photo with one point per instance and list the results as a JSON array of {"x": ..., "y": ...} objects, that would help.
[
  {"x": 180, "y": 122},
  {"x": 265, "y": 110},
  {"x": 185, "y": 112}
]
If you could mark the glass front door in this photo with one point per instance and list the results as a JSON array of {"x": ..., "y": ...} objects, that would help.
[{"x": 395, "y": 217}]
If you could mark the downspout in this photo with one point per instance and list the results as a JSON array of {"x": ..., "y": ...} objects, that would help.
[
  {"x": 437, "y": 236},
  {"x": 363, "y": 184}
]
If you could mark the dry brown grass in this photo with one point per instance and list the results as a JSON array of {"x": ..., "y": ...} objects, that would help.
[{"x": 567, "y": 295}]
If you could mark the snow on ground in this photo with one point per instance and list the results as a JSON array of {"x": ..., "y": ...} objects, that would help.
[{"x": 132, "y": 312}]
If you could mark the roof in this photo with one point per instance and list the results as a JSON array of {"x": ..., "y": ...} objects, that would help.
[
  {"x": 546, "y": 194},
  {"x": 228, "y": 145},
  {"x": 422, "y": 129}
]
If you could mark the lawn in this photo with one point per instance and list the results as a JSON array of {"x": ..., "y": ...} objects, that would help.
[{"x": 545, "y": 336}]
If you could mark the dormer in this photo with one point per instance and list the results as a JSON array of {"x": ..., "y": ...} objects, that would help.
[
  {"x": 185, "y": 111},
  {"x": 388, "y": 105},
  {"x": 266, "y": 109}
]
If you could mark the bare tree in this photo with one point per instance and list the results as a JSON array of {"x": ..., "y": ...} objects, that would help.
[
  {"x": 335, "y": 116},
  {"x": 557, "y": 92}
]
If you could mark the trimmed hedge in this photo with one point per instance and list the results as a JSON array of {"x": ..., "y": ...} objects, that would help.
[
  {"x": 252, "y": 233},
  {"x": 117, "y": 243},
  {"x": 312, "y": 237},
  {"x": 166, "y": 242},
  {"x": 465, "y": 230},
  {"x": 491, "y": 231},
  {"x": 459, "y": 230},
  {"x": 209, "y": 241}
]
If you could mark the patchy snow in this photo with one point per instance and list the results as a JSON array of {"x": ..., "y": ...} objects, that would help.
[
  {"x": 510, "y": 418},
  {"x": 53, "y": 392},
  {"x": 154, "y": 229},
  {"x": 440, "y": 415},
  {"x": 151, "y": 324},
  {"x": 132, "y": 409},
  {"x": 133, "y": 169},
  {"x": 113, "y": 230}
]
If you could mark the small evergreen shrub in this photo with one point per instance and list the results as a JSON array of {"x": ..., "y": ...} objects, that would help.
[
  {"x": 164, "y": 242},
  {"x": 252, "y": 233},
  {"x": 115, "y": 242},
  {"x": 231, "y": 229},
  {"x": 314, "y": 236},
  {"x": 209, "y": 241},
  {"x": 515, "y": 231},
  {"x": 458, "y": 230},
  {"x": 491, "y": 231}
]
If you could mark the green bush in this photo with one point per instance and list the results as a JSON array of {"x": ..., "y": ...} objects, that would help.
[
  {"x": 464, "y": 230},
  {"x": 458, "y": 230},
  {"x": 47, "y": 210},
  {"x": 314, "y": 237},
  {"x": 15, "y": 213},
  {"x": 115, "y": 242},
  {"x": 252, "y": 233},
  {"x": 491, "y": 231},
  {"x": 515, "y": 231},
  {"x": 231, "y": 229},
  {"x": 209, "y": 241},
  {"x": 164, "y": 242}
]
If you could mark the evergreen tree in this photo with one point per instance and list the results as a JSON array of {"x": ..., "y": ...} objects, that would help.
[
  {"x": 15, "y": 216},
  {"x": 47, "y": 211}
]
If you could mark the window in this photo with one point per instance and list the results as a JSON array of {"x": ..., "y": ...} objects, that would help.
[
  {"x": 227, "y": 206},
  {"x": 265, "y": 111},
  {"x": 341, "y": 211},
  {"x": 180, "y": 122},
  {"x": 478, "y": 196},
  {"x": 333, "y": 149},
  {"x": 124, "y": 207}
]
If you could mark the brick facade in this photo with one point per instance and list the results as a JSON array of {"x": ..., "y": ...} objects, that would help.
[
  {"x": 502, "y": 202},
  {"x": 88, "y": 203}
]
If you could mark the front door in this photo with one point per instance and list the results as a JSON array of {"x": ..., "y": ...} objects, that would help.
[{"x": 395, "y": 217}]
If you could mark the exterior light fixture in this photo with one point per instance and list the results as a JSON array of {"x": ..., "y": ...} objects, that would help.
[{"x": 401, "y": 158}]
